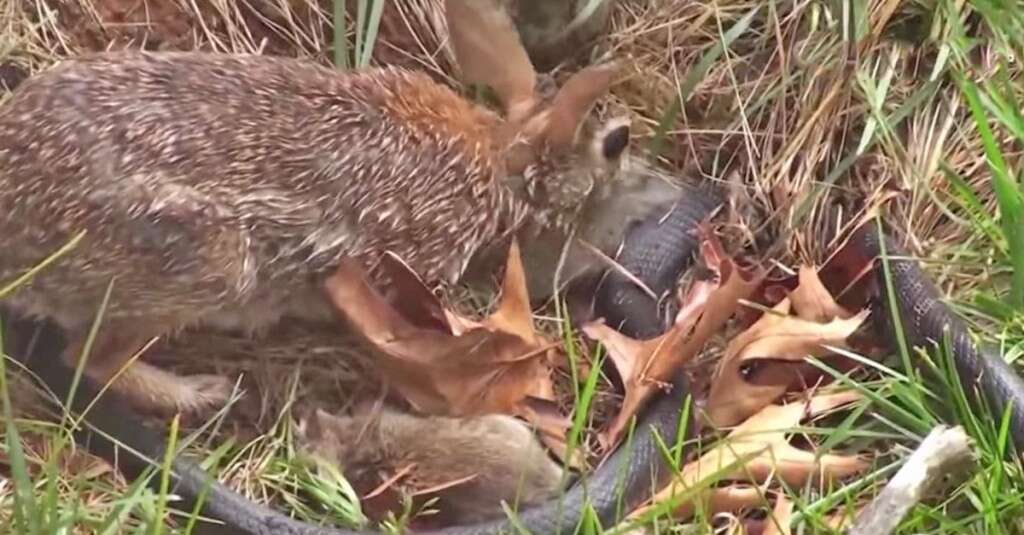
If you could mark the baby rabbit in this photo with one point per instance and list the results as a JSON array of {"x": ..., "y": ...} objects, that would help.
[
  {"x": 222, "y": 190},
  {"x": 473, "y": 464}
]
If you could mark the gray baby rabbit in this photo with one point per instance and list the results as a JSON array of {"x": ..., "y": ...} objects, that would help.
[
  {"x": 222, "y": 190},
  {"x": 474, "y": 464}
]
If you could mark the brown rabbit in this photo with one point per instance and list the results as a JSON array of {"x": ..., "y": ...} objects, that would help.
[
  {"x": 473, "y": 464},
  {"x": 222, "y": 190}
]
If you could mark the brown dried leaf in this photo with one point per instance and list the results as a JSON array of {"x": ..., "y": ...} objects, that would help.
[
  {"x": 410, "y": 297},
  {"x": 812, "y": 301},
  {"x": 645, "y": 365},
  {"x": 778, "y": 523},
  {"x": 722, "y": 499},
  {"x": 762, "y": 442},
  {"x": 736, "y": 497},
  {"x": 553, "y": 427},
  {"x": 513, "y": 314},
  {"x": 712, "y": 501},
  {"x": 765, "y": 360},
  {"x": 845, "y": 273},
  {"x": 765, "y": 434},
  {"x": 449, "y": 365}
]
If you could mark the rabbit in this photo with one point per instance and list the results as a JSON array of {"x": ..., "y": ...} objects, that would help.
[
  {"x": 222, "y": 190},
  {"x": 470, "y": 465}
]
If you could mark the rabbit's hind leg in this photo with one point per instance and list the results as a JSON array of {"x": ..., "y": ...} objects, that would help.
[{"x": 113, "y": 358}]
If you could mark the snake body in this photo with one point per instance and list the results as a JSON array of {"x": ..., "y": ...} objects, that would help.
[
  {"x": 925, "y": 320},
  {"x": 657, "y": 250}
]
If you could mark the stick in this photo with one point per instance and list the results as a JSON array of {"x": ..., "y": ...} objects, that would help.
[{"x": 943, "y": 452}]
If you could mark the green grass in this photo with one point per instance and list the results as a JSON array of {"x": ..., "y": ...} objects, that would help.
[
  {"x": 816, "y": 121},
  {"x": 368, "y": 13}
]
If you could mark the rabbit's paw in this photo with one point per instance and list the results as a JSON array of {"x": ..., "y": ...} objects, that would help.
[
  {"x": 163, "y": 393},
  {"x": 204, "y": 393}
]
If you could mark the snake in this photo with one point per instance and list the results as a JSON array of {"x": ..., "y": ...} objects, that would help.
[{"x": 657, "y": 250}]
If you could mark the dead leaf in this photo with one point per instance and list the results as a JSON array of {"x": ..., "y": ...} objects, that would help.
[
  {"x": 812, "y": 301},
  {"x": 778, "y": 523},
  {"x": 410, "y": 297},
  {"x": 443, "y": 363},
  {"x": 775, "y": 523},
  {"x": 513, "y": 314},
  {"x": 553, "y": 427},
  {"x": 765, "y": 360},
  {"x": 844, "y": 275},
  {"x": 722, "y": 499},
  {"x": 759, "y": 450},
  {"x": 646, "y": 365},
  {"x": 734, "y": 498},
  {"x": 715, "y": 500}
]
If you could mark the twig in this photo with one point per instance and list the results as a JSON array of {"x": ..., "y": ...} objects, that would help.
[
  {"x": 390, "y": 481},
  {"x": 619, "y": 268},
  {"x": 944, "y": 452}
]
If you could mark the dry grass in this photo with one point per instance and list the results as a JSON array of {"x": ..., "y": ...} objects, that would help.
[{"x": 811, "y": 130}]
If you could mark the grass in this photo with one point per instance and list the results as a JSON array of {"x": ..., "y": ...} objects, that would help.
[{"x": 824, "y": 110}]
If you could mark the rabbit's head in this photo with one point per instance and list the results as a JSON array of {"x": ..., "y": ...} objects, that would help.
[
  {"x": 555, "y": 155},
  {"x": 568, "y": 174}
]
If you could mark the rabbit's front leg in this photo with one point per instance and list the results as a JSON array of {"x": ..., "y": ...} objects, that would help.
[
  {"x": 159, "y": 391},
  {"x": 172, "y": 254},
  {"x": 113, "y": 358}
]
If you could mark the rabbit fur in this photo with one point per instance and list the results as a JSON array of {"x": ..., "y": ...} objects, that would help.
[{"x": 214, "y": 189}]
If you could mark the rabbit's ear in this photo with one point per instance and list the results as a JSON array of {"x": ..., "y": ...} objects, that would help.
[
  {"x": 574, "y": 101},
  {"x": 556, "y": 126},
  {"x": 488, "y": 51}
]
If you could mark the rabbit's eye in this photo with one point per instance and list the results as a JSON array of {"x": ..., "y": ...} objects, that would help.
[{"x": 615, "y": 142}]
